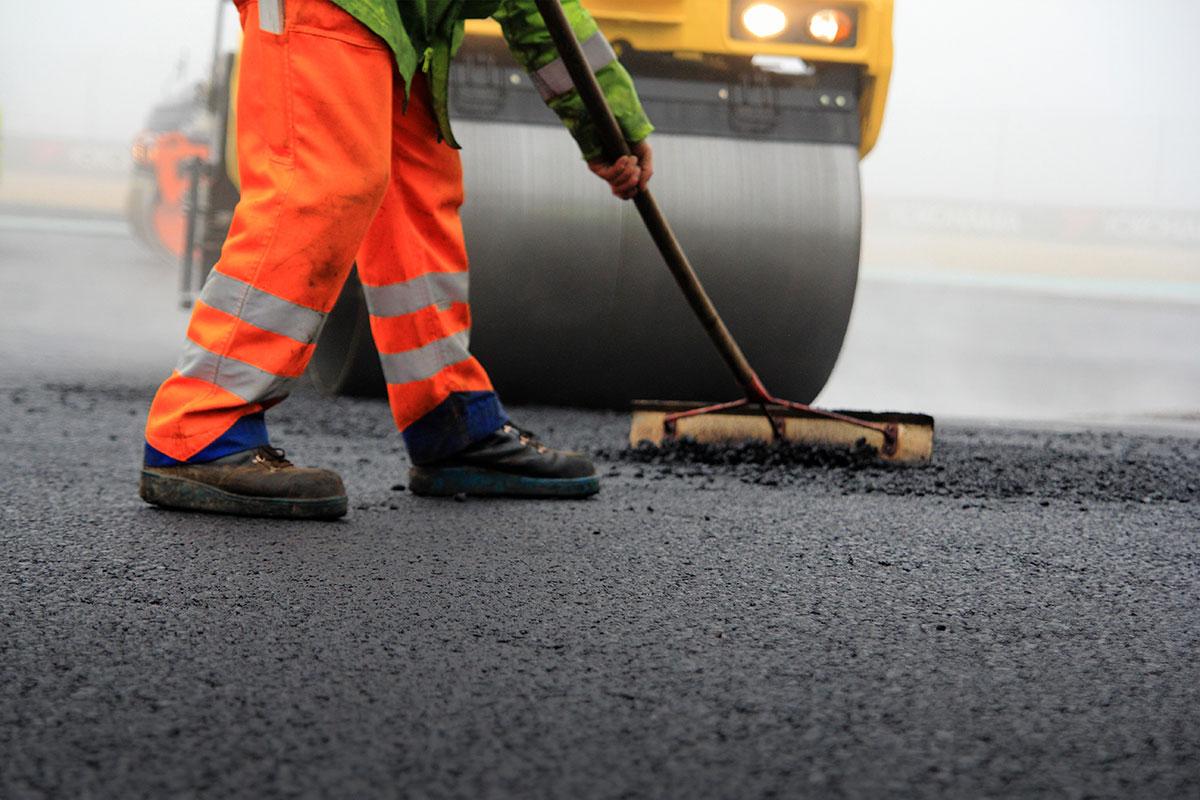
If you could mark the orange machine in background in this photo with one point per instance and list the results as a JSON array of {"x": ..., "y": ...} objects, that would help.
[
  {"x": 169, "y": 156},
  {"x": 162, "y": 154}
]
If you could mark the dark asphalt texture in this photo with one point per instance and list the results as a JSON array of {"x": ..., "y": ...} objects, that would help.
[{"x": 1019, "y": 619}]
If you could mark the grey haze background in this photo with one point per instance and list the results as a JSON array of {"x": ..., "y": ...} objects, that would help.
[
  {"x": 1057, "y": 101},
  {"x": 1081, "y": 102}
]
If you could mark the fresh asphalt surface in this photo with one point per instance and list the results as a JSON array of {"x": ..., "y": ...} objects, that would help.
[{"x": 1019, "y": 619}]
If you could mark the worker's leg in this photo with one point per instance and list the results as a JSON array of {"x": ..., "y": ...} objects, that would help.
[
  {"x": 413, "y": 265},
  {"x": 414, "y": 269},
  {"x": 314, "y": 143}
]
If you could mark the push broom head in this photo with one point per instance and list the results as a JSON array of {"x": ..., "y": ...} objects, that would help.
[{"x": 904, "y": 438}]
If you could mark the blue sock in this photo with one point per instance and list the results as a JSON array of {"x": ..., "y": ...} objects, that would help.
[
  {"x": 247, "y": 433},
  {"x": 458, "y": 422}
]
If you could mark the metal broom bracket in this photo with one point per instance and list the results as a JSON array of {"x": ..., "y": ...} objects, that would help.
[{"x": 890, "y": 431}]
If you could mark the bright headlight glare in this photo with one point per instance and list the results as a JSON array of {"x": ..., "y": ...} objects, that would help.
[
  {"x": 830, "y": 26},
  {"x": 764, "y": 20}
]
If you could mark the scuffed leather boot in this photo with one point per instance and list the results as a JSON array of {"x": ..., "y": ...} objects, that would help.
[
  {"x": 254, "y": 483},
  {"x": 509, "y": 463}
]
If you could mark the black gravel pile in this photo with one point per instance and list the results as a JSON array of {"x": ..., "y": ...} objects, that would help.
[{"x": 1072, "y": 466}]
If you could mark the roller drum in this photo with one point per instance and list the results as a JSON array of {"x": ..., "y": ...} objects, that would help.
[{"x": 573, "y": 305}]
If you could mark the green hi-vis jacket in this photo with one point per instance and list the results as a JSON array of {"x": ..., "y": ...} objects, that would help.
[{"x": 425, "y": 35}]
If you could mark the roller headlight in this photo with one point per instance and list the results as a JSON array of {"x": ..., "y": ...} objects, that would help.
[
  {"x": 764, "y": 20},
  {"x": 830, "y": 26},
  {"x": 825, "y": 23}
]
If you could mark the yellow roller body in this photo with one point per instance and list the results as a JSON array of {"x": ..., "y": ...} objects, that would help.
[{"x": 710, "y": 29}]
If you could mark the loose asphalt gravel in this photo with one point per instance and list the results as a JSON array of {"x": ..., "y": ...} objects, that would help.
[{"x": 1019, "y": 619}]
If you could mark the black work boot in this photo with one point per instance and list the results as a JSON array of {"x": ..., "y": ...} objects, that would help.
[
  {"x": 253, "y": 483},
  {"x": 509, "y": 463}
]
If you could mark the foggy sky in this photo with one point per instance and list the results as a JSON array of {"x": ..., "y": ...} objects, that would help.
[
  {"x": 1021, "y": 100},
  {"x": 1077, "y": 102}
]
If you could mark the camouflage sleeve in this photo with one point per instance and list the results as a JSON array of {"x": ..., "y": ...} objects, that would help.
[{"x": 531, "y": 45}]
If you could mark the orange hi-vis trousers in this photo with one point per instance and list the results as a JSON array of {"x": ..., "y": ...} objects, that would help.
[{"x": 333, "y": 170}]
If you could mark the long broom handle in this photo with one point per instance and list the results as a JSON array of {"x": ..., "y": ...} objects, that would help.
[{"x": 612, "y": 140}]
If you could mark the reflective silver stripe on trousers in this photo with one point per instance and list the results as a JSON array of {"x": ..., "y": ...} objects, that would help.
[
  {"x": 425, "y": 362},
  {"x": 553, "y": 79},
  {"x": 245, "y": 380},
  {"x": 270, "y": 15},
  {"x": 262, "y": 309},
  {"x": 441, "y": 289}
]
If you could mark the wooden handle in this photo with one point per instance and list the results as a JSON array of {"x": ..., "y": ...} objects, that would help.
[{"x": 614, "y": 146}]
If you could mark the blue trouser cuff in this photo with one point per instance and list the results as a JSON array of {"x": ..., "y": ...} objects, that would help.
[
  {"x": 247, "y": 433},
  {"x": 458, "y": 422}
]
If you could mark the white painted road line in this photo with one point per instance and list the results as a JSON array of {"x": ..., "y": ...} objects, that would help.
[
  {"x": 1096, "y": 288},
  {"x": 65, "y": 225}
]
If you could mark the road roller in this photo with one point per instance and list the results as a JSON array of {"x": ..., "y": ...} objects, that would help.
[{"x": 762, "y": 111}]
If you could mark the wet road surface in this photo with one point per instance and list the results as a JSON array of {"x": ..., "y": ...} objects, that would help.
[{"x": 1018, "y": 619}]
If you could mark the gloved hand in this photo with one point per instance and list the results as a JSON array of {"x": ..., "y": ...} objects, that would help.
[{"x": 630, "y": 174}]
